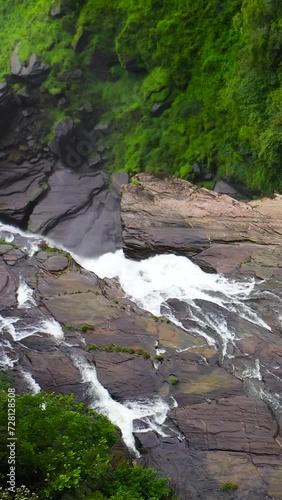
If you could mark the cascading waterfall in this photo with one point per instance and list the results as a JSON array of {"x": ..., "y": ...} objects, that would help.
[
  {"x": 8, "y": 233},
  {"x": 33, "y": 386},
  {"x": 123, "y": 415},
  {"x": 148, "y": 283},
  {"x": 25, "y": 295},
  {"x": 151, "y": 282}
]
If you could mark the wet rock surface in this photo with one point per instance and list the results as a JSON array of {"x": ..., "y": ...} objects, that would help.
[
  {"x": 220, "y": 439},
  {"x": 21, "y": 187},
  {"x": 126, "y": 377},
  {"x": 211, "y": 427},
  {"x": 78, "y": 210},
  {"x": 224, "y": 397},
  {"x": 172, "y": 215},
  {"x": 218, "y": 432}
]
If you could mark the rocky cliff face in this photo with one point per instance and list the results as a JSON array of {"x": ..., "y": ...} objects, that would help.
[
  {"x": 208, "y": 410},
  {"x": 43, "y": 192},
  {"x": 222, "y": 397}
]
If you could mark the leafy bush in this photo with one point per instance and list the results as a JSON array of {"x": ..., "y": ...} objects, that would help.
[
  {"x": 173, "y": 380},
  {"x": 159, "y": 357},
  {"x": 228, "y": 486},
  {"x": 66, "y": 450},
  {"x": 21, "y": 493},
  {"x": 6, "y": 379},
  {"x": 116, "y": 348}
]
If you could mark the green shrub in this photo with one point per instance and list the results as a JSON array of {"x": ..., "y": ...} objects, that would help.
[
  {"x": 159, "y": 357},
  {"x": 116, "y": 348},
  {"x": 136, "y": 182},
  {"x": 217, "y": 67},
  {"x": 173, "y": 380},
  {"x": 6, "y": 379},
  {"x": 66, "y": 450},
  {"x": 228, "y": 486},
  {"x": 85, "y": 328},
  {"x": 21, "y": 493},
  {"x": 141, "y": 352}
]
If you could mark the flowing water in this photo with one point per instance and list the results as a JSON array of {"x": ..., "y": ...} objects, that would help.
[
  {"x": 153, "y": 412},
  {"x": 151, "y": 282},
  {"x": 25, "y": 295},
  {"x": 148, "y": 283}
]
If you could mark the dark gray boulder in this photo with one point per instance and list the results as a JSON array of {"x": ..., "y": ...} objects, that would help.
[
  {"x": 56, "y": 11},
  {"x": 8, "y": 105},
  {"x": 223, "y": 187},
  {"x": 79, "y": 212},
  {"x": 21, "y": 187},
  {"x": 34, "y": 72}
]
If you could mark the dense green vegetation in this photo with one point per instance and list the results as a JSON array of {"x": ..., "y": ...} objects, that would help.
[
  {"x": 215, "y": 63},
  {"x": 67, "y": 451}
]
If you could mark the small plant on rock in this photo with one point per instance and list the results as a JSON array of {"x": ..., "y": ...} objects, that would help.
[
  {"x": 229, "y": 486},
  {"x": 159, "y": 357},
  {"x": 173, "y": 380},
  {"x": 85, "y": 328}
]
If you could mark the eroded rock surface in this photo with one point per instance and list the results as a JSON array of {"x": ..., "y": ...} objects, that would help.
[
  {"x": 76, "y": 209},
  {"x": 224, "y": 398},
  {"x": 172, "y": 215},
  {"x": 80, "y": 212},
  {"x": 215, "y": 435}
]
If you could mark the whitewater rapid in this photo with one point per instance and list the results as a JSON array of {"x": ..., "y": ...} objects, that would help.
[{"x": 149, "y": 284}]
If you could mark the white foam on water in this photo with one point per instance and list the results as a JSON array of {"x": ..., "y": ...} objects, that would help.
[
  {"x": 152, "y": 411},
  {"x": 9, "y": 238},
  {"x": 31, "y": 249},
  {"x": 196, "y": 346},
  {"x": 52, "y": 327},
  {"x": 152, "y": 281},
  {"x": 247, "y": 313},
  {"x": 7, "y": 324},
  {"x": 149, "y": 283},
  {"x": 5, "y": 361},
  {"x": 25, "y": 296},
  {"x": 252, "y": 372},
  {"x": 33, "y": 386},
  {"x": 273, "y": 399},
  {"x": 33, "y": 241},
  {"x": 174, "y": 402}
]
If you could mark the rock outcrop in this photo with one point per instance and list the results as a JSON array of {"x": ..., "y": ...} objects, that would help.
[
  {"x": 7, "y": 105},
  {"x": 80, "y": 212},
  {"x": 216, "y": 434},
  {"x": 21, "y": 188},
  {"x": 34, "y": 72},
  {"x": 224, "y": 395},
  {"x": 220, "y": 234},
  {"x": 76, "y": 209}
]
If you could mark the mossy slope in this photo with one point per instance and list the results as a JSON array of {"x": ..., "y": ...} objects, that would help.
[{"x": 215, "y": 64}]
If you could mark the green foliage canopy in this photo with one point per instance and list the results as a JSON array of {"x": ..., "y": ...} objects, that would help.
[
  {"x": 215, "y": 63},
  {"x": 66, "y": 451}
]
